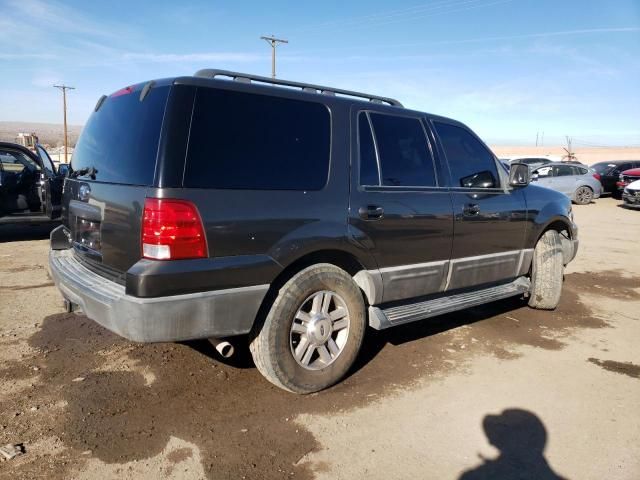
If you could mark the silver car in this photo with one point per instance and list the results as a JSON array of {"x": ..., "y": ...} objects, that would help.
[{"x": 579, "y": 182}]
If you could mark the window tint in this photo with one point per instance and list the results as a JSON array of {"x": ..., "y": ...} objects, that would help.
[
  {"x": 368, "y": 164},
  {"x": 562, "y": 170},
  {"x": 120, "y": 140},
  {"x": 470, "y": 163},
  {"x": 405, "y": 159},
  {"x": 248, "y": 141},
  {"x": 579, "y": 171}
]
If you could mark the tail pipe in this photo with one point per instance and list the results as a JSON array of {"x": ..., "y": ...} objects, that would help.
[{"x": 224, "y": 348}]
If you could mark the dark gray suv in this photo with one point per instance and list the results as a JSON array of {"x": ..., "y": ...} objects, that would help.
[{"x": 225, "y": 204}]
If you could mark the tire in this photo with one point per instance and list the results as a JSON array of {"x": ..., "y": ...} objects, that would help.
[
  {"x": 275, "y": 340},
  {"x": 547, "y": 272},
  {"x": 583, "y": 195}
]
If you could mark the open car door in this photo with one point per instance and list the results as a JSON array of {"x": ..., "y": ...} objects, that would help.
[{"x": 51, "y": 182}]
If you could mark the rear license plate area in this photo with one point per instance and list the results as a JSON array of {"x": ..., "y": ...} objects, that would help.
[{"x": 86, "y": 234}]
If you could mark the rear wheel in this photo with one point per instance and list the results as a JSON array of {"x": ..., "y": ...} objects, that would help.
[
  {"x": 546, "y": 272},
  {"x": 313, "y": 331},
  {"x": 584, "y": 195}
]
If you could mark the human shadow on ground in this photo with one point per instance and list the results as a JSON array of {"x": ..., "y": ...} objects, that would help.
[{"x": 521, "y": 438}]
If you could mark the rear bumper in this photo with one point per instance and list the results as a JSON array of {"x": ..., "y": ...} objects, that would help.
[{"x": 219, "y": 313}]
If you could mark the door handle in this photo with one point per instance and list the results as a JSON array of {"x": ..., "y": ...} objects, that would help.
[
  {"x": 471, "y": 209},
  {"x": 371, "y": 212}
]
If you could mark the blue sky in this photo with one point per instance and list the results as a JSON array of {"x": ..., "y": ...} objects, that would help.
[{"x": 507, "y": 68}]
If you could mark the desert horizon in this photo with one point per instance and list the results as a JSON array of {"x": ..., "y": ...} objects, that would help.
[{"x": 52, "y": 134}]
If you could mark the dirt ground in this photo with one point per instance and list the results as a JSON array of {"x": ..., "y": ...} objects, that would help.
[{"x": 495, "y": 392}]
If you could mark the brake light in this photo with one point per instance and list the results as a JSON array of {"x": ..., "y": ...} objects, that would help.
[
  {"x": 172, "y": 230},
  {"x": 122, "y": 91},
  {"x": 597, "y": 176}
]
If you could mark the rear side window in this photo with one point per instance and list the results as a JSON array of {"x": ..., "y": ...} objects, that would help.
[
  {"x": 562, "y": 170},
  {"x": 470, "y": 163},
  {"x": 120, "y": 140},
  {"x": 404, "y": 156},
  {"x": 580, "y": 171},
  {"x": 247, "y": 141}
]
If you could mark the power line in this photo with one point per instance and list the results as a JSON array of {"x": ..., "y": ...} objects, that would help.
[
  {"x": 64, "y": 89},
  {"x": 273, "y": 41}
]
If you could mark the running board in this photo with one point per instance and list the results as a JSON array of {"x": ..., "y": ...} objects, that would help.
[{"x": 380, "y": 318}]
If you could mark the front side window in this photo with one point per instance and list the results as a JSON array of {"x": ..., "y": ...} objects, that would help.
[
  {"x": 405, "y": 159},
  {"x": 248, "y": 141},
  {"x": 470, "y": 163},
  {"x": 544, "y": 172}
]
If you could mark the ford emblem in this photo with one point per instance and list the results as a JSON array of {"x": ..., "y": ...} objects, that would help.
[{"x": 83, "y": 193}]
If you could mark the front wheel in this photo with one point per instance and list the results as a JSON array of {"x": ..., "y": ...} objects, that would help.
[
  {"x": 547, "y": 270},
  {"x": 313, "y": 331},
  {"x": 584, "y": 195}
]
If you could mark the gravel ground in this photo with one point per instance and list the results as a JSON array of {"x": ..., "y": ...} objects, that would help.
[{"x": 499, "y": 391}]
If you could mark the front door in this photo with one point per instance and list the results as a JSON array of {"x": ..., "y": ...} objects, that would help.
[
  {"x": 399, "y": 209},
  {"x": 490, "y": 219}
]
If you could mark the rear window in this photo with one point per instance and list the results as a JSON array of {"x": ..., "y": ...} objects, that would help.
[
  {"x": 248, "y": 141},
  {"x": 604, "y": 168},
  {"x": 120, "y": 140}
]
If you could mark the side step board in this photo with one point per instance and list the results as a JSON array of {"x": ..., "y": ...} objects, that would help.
[{"x": 389, "y": 317}]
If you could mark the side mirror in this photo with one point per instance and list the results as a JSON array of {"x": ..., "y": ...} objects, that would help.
[
  {"x": 519, "y": 175},
  {"x": 63, "y": 169}
]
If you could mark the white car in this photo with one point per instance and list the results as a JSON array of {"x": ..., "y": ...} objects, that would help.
[{"x": 631, "y": 195}]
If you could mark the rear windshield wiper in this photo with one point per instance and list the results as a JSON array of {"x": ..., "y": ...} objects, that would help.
[{"x": 88, "y": 171}]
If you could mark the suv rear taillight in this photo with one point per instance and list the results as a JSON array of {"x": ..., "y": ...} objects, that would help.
[
  {"x": 172, "y": 230},
  {"x": 597, "y": 176}
]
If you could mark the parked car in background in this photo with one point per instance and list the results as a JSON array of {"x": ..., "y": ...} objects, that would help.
[
  {"x": 631, "y": 195},
  {"x": 30, "y": 184},
  {"x": 627, "y": 177},
  {"x": 610, "y": 174},
  {"x": 579, "y": 182},
  {"x": 534, "y": 162}
]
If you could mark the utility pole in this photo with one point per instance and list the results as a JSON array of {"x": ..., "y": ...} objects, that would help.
[
  {"x": 273, "y": 41},
  {"x": 64, "y": 89},
  {"x": 537, "y": 133}
]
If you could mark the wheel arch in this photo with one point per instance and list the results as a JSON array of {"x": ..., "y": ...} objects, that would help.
[{"x": 340, "y": 258}]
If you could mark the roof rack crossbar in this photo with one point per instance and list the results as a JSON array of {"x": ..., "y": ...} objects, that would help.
[{"x": 306, "y": 87}]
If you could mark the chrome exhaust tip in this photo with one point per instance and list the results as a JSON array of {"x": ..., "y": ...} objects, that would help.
[{"x": 224, "y": 348}]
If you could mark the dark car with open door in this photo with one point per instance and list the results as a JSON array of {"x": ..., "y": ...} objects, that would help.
[
  {"x": 30, "y": 184},
  {"x": 610, "y": 174}
]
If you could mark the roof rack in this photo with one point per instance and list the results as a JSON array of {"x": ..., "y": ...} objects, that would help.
[{"x": 306, "y": 87}]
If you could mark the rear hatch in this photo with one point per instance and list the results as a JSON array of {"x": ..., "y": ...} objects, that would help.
[{"x": 113, "y": 165}]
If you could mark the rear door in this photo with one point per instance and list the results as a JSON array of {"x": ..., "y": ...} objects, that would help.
[
  {"x": 399, "y": 209},
  {"x": 489, "y": 219},
  {"x": 564, "y": 179}
]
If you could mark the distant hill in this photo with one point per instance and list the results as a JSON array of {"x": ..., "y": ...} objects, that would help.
[{"x": 48, "y": 133}]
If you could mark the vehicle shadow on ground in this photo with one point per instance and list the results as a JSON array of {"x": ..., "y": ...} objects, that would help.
[
  {"x": 25, "y": 232},
  {"x": 375, "y": 340},
  {"x": 520, "y": 436}
]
